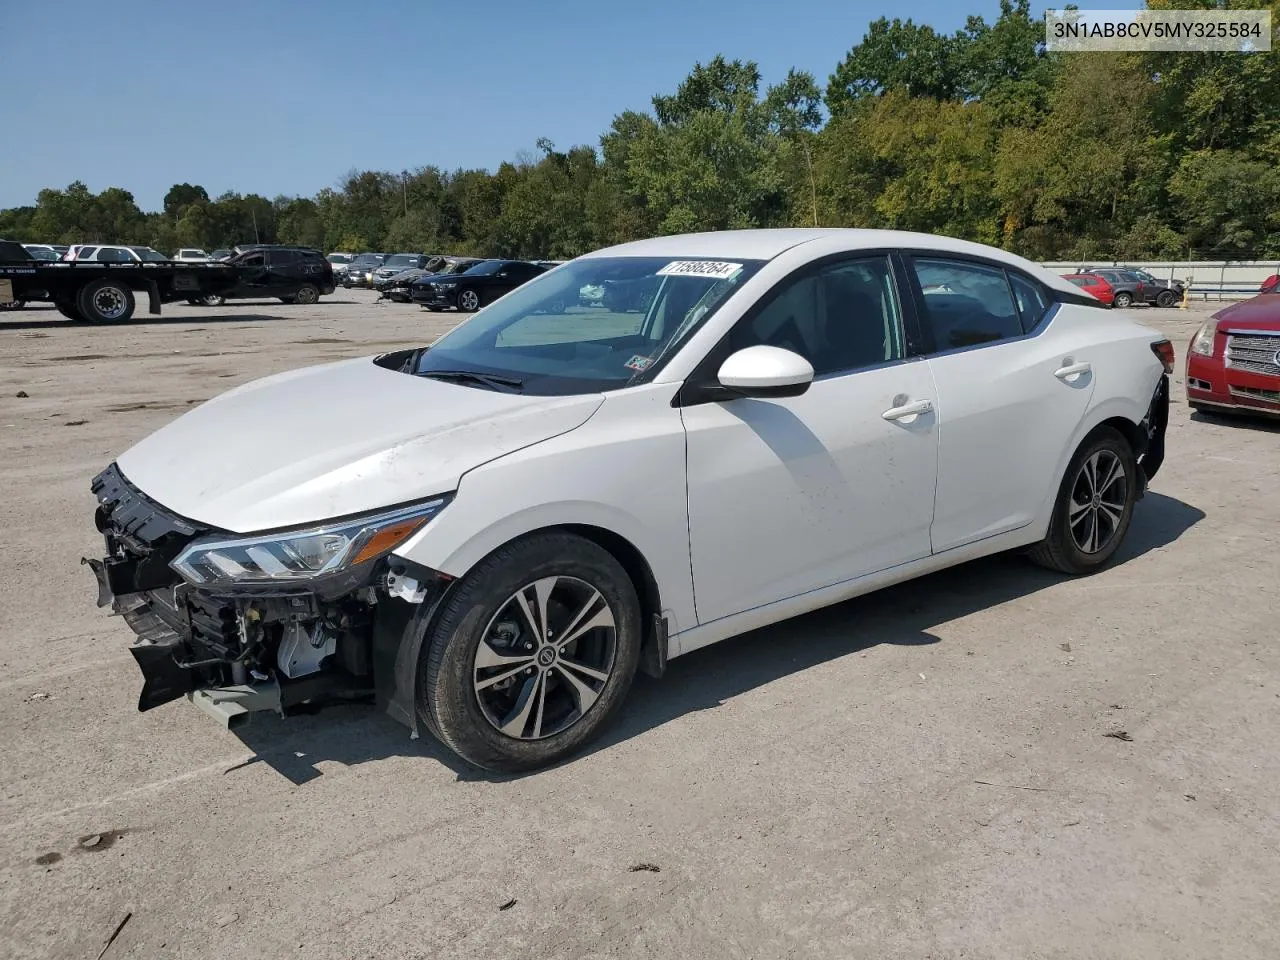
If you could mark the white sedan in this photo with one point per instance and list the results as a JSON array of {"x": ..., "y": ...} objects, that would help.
[{"x": 491, "y": 535}]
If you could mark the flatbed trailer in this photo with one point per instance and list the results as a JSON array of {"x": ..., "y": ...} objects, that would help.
[{"x": 107, "y": 292}]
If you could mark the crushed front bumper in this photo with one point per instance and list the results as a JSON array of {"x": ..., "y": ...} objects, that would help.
[{"x": 234, "y": 653}]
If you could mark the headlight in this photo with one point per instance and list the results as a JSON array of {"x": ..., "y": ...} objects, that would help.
[
  {"x": 301, "y": 554},
  {"x": 1202, "y": 342}
]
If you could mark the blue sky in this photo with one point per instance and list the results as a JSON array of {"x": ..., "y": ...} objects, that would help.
[{"x": 284, "y": 96}]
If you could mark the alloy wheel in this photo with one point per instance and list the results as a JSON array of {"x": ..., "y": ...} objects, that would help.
[
  {"x": 468, "y": 300},
  {"x": 1098, "y": 501},
  {"x": 545, "y": 658}
]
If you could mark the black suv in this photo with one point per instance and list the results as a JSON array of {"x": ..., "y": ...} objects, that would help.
[
  {"x": 291, "y": 274},
  {"x": 1163, "y": 293}
]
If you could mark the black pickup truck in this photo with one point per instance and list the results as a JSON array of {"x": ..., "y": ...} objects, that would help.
[{"x": 104, "y": 292}]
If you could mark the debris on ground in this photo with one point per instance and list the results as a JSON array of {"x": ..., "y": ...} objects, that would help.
[
  {"x": 91, "y": 841},
  {"x": 1012, "y": 786},
  {"x": 1118, "y": 735},
  {"x": 112, "y": 939},
  {"x": 646, "y": 867},
  {"x": 75, "y": 423},
  {"x": 1189, "y": 796},
  {"x": 37, "y": 697},
  {"x": 1064, "y": 647},
  {"x": 21, "y": 395},
  {"x": 508, "y": 905},
  {"x": 227, "y": 919}
]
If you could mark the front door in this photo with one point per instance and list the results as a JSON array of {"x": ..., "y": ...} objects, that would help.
[{"x": 790, "y": 495}]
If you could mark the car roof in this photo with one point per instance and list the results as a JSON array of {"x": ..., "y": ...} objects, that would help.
[
  {"x": 769, "y": 243},
  {"x": 766, "y": 244}
]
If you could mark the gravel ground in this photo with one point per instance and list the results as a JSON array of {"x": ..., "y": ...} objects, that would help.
[{"x": 929, "y": 771}]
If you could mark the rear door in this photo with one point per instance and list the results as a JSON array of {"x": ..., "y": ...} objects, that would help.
[
  {"x": 1012, "y": 388},
  {"x": 284, "y": 274}
]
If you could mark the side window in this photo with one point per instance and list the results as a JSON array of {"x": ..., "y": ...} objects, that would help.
[
  {"x": 113, "y": 255},
  {"x": 86, "y": 253},
  {"x": 253, "y": 260},
  {"x": 966, "y": 303},
  {"x": 283, "y": 258},
  {"x": 1031, "y": 300},
  {"x": 840, "y": 316}
]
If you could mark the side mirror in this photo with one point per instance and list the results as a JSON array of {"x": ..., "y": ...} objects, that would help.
[{"x": 766, "y": 372}]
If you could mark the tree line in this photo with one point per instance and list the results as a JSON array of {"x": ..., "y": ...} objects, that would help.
[{"x": 980, "y": 134}]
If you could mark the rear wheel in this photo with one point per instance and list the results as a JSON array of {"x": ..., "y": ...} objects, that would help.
[
  {"x": 13, "y": 305},
  {"x": 535, "y": 650},
  {"x": 106, "y": 301},
  {"x": 1122, "y": 300},
  {"x": 1094, "y": 506},
  {"x": 306, "y": 294},
  {"x": 69, "y": 310},
  {"x": 212, "y": 300}
]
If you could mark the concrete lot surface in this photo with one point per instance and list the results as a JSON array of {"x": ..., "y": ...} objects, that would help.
[{"x": 925, "y": 772}]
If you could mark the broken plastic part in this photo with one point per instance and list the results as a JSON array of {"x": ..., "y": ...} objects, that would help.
[{"x": 407, "y": 589}]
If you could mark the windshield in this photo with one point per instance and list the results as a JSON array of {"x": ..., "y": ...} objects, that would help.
[
  {"x": 146, "y": 253},
  {"x": 402, "y": 260},
  {"x": 368, "y": 260},
  {"x": 457, "y": 267},
  {"x": 339, "y": 258},
  {"x": 554, "y": 337}
]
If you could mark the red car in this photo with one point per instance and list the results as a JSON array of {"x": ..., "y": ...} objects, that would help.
[
  {"x": 1233, "y": 362},
  {"x": 1093, "y": 284}
]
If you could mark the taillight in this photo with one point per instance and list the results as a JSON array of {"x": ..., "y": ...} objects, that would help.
[{"x": 1164, "y": 350}]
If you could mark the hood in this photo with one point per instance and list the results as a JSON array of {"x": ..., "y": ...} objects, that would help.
[
  {"x": 335, "y": 440},
  {"x": 1258, "y": 313}
]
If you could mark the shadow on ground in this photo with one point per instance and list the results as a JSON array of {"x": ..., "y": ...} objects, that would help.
[
  {"x": 903, "y": 615},
  {"x": 1244, "y": 421}
]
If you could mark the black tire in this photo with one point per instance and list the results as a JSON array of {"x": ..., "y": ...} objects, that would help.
[
  {"x": 13, "y": 305},
  {"x": 106, "y": 301},
  {"x": 1122, "y": 300},
  {"x": 433, "y": 309},
  {"x": 307, "y": 294},
  {"x": 212, "y": 300},
  {"x": 469, "y": 301},
  {"x": 69, "y": 310},
  {"x": 447, "y": 699},
  {"x": 1166, "y": 298},
  {"x": 1061, "y": 549}
]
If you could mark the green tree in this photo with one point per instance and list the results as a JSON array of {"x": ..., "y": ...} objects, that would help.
[{"x": 897, "y": 55}]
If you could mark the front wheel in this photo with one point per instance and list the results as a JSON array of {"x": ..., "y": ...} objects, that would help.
[
  {"x": 468, "y": 301},
  {"x": 1094, "y": 506},
  {"x": 1123, "y": 300},
  {"x": 1166, "y": 298},
  {"x": 534, "y": 652}
]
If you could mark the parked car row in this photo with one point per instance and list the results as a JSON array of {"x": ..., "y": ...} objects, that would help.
[{"x": 1123, "y": 287}]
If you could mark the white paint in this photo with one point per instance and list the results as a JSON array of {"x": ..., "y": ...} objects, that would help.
[{"x": 746, "y": 510}]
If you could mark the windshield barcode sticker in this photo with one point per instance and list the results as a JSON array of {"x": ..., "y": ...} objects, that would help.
[{"x": 700, "y": 268}]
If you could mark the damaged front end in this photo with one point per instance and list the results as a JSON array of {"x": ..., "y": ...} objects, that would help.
[{"x": 240, "y": 624}]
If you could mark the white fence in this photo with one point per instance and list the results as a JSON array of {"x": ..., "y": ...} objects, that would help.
[{"x": 1205, "y": 279}]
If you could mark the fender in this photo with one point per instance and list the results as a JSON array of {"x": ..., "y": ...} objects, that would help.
[
  {"x": 580, "y": 513},
  {"x": 1113, "y": 407}
]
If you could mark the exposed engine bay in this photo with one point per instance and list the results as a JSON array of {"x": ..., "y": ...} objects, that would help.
[{"x": 236, "y": 649}]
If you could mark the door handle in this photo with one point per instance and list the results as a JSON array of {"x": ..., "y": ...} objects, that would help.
[
  {"x": 908, "y": 411},
  {"x": 1069, "y": 370}
]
